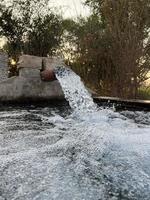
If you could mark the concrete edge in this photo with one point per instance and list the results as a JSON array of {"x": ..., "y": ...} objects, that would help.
[{"x": 130, "y": 104}]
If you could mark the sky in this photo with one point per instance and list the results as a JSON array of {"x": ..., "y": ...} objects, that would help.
[{"x": 71, "y": 8}]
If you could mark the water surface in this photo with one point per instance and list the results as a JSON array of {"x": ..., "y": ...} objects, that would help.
[{"x": 51, "y": 153}]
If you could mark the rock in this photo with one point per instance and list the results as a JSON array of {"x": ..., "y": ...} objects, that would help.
[
  {"x": 41, "y": 63},
  {"x": 27, "y": 61}
]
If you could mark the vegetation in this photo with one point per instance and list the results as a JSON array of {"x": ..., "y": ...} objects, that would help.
[
  {"x": 144, "y": 93},
  {"x": 110, "y": 49},
  {"x": 44, "y": 37},
  {"x": 34, "y": 30},
  {"x": 112, "y": 46}
]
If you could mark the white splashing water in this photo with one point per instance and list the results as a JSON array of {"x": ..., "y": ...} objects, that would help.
[
  {"x": 104, "y": 156},
  {"x": 99, "y": 155},
  {"x": 74, "y": 90}
]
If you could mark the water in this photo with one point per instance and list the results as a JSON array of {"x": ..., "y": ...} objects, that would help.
[
  {"x": 75, "y": 92},
  {"x": 58, "y": 153}
]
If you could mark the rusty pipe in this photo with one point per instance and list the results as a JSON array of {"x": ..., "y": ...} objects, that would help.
[{"x": 48, "y": 75}]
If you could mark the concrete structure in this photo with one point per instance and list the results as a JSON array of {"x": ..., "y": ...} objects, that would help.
[
  {"x": 28, "y": 85},
  {"x": 3, "y": 66}
]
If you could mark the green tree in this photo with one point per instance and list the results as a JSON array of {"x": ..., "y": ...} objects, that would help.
[
  {"x": 44, "y": 37},
  {"x": 12, "y": 29},
  {"x": 30, "y": 27},
  {"x": 114, "y": 45}
]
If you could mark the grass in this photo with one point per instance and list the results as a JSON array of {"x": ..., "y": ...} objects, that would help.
[{"x": 144, "y": 93}]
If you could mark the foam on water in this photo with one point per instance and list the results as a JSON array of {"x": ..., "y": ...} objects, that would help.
[{"x": 103, "y": 155}]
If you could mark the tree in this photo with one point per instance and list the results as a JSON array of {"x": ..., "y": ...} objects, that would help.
[
  {"x": 30, "y": 27},
  {"x": 12, "y": 29},
  {"x": 44, "y": 37},
  {"x": 114, "y": 44},
  {"x": 127, "y": 24}
]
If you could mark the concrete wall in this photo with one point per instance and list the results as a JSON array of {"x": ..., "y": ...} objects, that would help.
[
  {"x": 28, "y": 85},
  {"x": 3, "y": 66},
  {"x": 27, "y": 61},
  {"x": 20, "y": 88}
]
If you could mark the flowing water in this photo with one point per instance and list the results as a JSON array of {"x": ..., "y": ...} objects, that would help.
[
  {"x": 78, "y": 96},
  {"x": 85, "y": 153}
]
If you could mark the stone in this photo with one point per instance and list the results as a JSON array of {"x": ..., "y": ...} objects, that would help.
[
  {"x": 52, "y": 63},
  {"x": 29, "y": 73},
  {"x": 28, "y": 85},
  {"x": 20, "y": 89},
  {"x": 3, "y": 66},
  {"x": 27, "y": 61}
]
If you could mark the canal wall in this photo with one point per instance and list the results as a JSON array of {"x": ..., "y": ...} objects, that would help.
[
  {"x": 3, "y": 66},
  {"x": 28, "y": 85}
]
